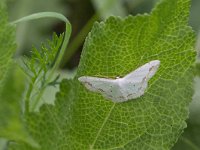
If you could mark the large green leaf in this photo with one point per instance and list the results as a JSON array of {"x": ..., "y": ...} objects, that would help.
[
  {"x": 82, "y": 119},
  {"x": 11, "y": 121},
  {"x": 7, "y": 46},
  {"x": 11, "y": 87},
  {"x": 190, "y": 139}
]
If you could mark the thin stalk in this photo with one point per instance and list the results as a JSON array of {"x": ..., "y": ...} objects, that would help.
[
  {"x": 56, "y": 65},
  {"x": 58, "y": 58},
  {"x": 28, "y": 95}
]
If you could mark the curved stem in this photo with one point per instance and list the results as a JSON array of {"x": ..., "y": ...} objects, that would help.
[
  {"x": 42, "y": 15},
  {"x": 59, "y": 54}
]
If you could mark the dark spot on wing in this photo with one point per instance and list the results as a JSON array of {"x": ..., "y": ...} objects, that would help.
[
  {"x": 101, "y": 90},
  {"x": 129, "y": 95},
  {"x": 144, "y": 79},
  {"x": 110, "y": 96},
  {"x": 140, "y": 88},
  {"x": 151, "y": 68},
  {"x": 88, "y": 83}
]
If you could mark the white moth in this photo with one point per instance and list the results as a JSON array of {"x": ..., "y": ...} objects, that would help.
[{"x": 131, "y": 86}]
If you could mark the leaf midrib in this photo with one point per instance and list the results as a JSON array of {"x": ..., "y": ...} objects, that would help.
[{"x": 102, "y": 126}]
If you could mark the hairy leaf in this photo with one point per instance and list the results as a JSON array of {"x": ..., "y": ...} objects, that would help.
[
  {"x": 7, "y": 47},
  {"x": 11, "y": 88},
  {"x": 190, "y": 138},
  {"x": 11, "y": 118}
]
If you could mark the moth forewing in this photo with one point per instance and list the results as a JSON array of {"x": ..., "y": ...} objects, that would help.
[
  {"x": 109, "y": 88},
  {"x": 145, "y": 71},
  {"x": 132, "y": 89}
]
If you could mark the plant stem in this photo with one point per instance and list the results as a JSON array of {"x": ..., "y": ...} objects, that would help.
[
  {"x": 28, "y": 95},
  {"x": 56, "y": 65},
  {"x": 58, "y": 58}
]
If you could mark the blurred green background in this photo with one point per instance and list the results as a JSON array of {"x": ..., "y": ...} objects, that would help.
[{"x": 82, "y": 14}]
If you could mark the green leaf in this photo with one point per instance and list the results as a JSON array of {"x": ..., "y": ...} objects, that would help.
[
  {"x": 7, "y": 45},
  {"x": 190, "y": 138},
  {"x": 38, "y": 68},
  {"x": 81, "y": 119},
  {"x": 50, "y": 124},
  {"x": 11, "y": 122},
  {"x": 11, "y": 88},
  {"x": 119, "y": 46}
]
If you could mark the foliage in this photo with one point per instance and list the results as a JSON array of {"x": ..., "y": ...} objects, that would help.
[
  {"x": 38, "y": 29},
  {"x": 11, "y": 123},
  {"x": 7, "y": 47},
  {"x": 81, "y": 119},
  {"x": 190, "y": 138},
  {"x": 37, "y": 68}
]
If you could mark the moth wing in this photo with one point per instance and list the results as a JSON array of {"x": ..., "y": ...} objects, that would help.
[
  {"x": 109, "y": 88},
  {"x": 144, "y": 72},
  {"x": 132, "y": 89},
  {"x": 134, "y": 84}
]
